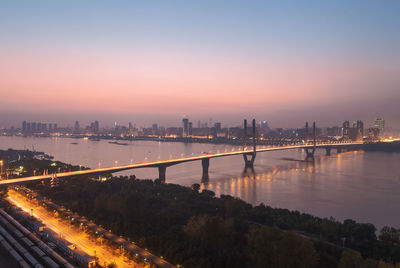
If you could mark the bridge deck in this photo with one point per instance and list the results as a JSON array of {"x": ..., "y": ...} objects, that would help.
[{"x": 166, "y": 163}]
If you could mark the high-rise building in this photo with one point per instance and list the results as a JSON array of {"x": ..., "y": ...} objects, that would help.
[
  {"x": 185, "y": 122},
  {"x": 373, "y": 133},
  {"x": 264, "y": 126},
  {"x": 190, "y": 129},
  {"x": 130, "y": 128},
  {"x": 332, "y": 131},
  {"x": 154, "y": 129},
  {"x": 76, "y": 128},
  {"x": 218, "y": 126},
  {"x": 346, "y": 130},
  {"x": 380, "y": 124},
  {"x": 360, "y": 130},
  {"x": 96, "y": 127},
  {"x": 24, "y": 127}
]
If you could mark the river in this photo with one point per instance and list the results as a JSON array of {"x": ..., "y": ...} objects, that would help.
[{"x": 364, "y": 186}]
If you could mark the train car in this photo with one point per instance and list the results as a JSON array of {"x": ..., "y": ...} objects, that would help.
[
  {"x": 53, "y": 254},
  {"x": 32, "y": 260},
  {"x": 17, "y": 257},
  {"x": 83, "y": 258},
  {"x": 27, "y": 242},
  {"x": 38, "y": 251},
  {"x": 50, "y": 262},
  {"x": 30, "y": 240},
  {"x": 5, "y": 244},
  {"x": 68, "y": 265}
]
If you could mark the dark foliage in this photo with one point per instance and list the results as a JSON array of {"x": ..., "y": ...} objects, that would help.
[{"x": 197, "y": 229}]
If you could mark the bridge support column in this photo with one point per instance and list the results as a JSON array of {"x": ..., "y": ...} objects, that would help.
[
  {"x": 250, "y": 163},
  {"x": 162, "y": 170},
  {"x": 339, "y": 150},
  {"x": 205, "y": 163},
  {"x": 310, "y": 154},
  {"x": 328, "y": 150}
]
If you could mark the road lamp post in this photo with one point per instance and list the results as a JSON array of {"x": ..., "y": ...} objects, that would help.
[{"x": 1, "y": 171}]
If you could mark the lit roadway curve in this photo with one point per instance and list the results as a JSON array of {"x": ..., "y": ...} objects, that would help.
[{"x": 169, "y": 162}]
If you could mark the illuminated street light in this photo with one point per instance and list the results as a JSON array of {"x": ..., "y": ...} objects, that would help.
[{"x": 1, "y": 171}]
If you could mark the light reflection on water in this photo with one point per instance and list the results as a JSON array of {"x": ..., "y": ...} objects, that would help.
[{"x": 359, "y": 185}]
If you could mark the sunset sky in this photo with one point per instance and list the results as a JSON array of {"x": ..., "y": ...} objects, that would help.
[{"x": 155, "y": 61}]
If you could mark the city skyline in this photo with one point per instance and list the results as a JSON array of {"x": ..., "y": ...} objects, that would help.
[
  {"x": 202, "y": 134},
  {"x": 159, "y": 61},
  {"x": 206, "y": 123}
]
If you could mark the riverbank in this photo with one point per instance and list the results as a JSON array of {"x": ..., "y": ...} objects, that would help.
[
  {"x": 197, "y": 229},
  {"x": 156, "y": 216}
]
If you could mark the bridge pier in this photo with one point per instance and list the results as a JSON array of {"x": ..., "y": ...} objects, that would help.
[
  {"x": 246, "y": 172},
  {"x": 310, "y": 154},
  {"x": 328, "y": 150},
  {"x": 205, "y": 163},
  {"x": 338, "y": 150},
  {"x": 249, "y": 163},
  {"x": 162, "y": 170}
]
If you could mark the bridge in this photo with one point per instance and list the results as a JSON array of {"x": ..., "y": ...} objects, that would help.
[{"x": 249, "y": 156}]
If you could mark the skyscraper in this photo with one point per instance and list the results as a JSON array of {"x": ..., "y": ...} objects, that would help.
[
  {"x": 96, "y": 127},
  {"x": 264, "y": 127},
  {"x": 380, "y": 124},
  {"x": 190, "y": 129},
  {"x": 360, "y": 130},
  {"x": 185, "y": 122},
  {"x": 346, "y": 129},
  {"x": 76, "y": 129}
]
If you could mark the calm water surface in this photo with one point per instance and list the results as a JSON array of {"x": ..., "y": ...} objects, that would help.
[{"x": 364, "y": 186}]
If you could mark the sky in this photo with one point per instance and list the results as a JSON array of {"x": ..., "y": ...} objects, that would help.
[{"x": 286, "y": 62}]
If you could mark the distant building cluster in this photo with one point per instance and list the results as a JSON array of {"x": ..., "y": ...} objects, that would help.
[
  {"x": 93, "y": 128},
  {"x": 38, "y": 127},
  {"x": 354, "y": 131}
]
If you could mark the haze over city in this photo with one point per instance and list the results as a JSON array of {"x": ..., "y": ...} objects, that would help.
[
  {"x": 200, "y": 134},
  {"x": 155, "y": 61}
]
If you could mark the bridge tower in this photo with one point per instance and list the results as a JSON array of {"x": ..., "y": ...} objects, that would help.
[
  {"x": 310, "y": 152},
  {"x": 249, "y": 163}
]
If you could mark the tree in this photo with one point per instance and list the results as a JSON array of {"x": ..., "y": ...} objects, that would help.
[
  {"x": 296, "y": 251},
  {"x": 196, "y": 187},
  {"x": 382, "y": 264},
  {"x": 390, "y": 234},
  {"x": 263, "y": 246},
  {"x": 350, "y": 259}
]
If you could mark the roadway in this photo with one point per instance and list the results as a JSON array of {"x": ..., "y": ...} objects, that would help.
[
  {"x": 169, "y": 162},
  {"x": 75, "y": 236}
]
